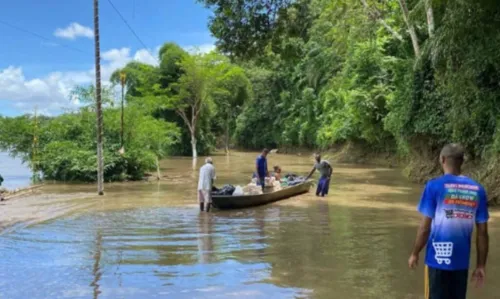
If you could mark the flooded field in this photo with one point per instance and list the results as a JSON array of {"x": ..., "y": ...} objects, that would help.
[{"x": 148, "y": 240}]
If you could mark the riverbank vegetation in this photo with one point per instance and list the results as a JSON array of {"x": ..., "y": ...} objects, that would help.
[
  {"x": 396, "y": 76},
  {"x": 67, "y": 145},
  {"x": 403, "y": 76},
  {"x": 189, "y": 99}
]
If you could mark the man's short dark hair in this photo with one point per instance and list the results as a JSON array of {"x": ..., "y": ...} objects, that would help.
[
  {"x": 454, "y": 154},
  {"x": 265, "y": 150}
]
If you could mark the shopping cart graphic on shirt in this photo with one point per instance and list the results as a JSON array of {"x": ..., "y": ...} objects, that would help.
[{"x": 444, "y": 251}]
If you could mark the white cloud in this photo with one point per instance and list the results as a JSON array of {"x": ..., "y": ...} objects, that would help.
[
  {"x": 201, "y": 49},
  {"x": 73, "y": 31},
  {"x": 145, "y": 56},
  {"x": 51, "y": 93}
]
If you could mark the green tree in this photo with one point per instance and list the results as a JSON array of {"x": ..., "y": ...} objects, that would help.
[
  {"x": 233, "y": 90},
  {"x": 244, "y": 28},
  {"x": 193, "y": 93}
]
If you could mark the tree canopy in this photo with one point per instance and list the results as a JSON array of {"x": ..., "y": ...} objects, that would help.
[{"x": 398, "y": 75}]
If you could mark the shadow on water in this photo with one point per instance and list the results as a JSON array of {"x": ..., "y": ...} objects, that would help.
[{"x": 149, "y": 240}]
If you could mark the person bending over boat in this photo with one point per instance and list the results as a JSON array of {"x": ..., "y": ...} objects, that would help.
[
  {"x": 261, "y": 168},
  {"x": 325, "y": 171},
  {"x": 205, "y": 184}
]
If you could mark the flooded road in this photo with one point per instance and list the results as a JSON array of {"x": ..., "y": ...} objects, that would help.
[{"x": 148, "y": 240}]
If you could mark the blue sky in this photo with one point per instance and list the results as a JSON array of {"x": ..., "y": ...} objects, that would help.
[{"x": 35, "y": 72}]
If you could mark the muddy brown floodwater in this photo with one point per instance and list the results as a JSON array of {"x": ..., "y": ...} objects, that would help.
[{"x": 148, "y": 240}]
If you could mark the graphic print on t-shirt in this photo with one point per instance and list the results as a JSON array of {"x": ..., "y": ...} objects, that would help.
[
  {"x": 444, "y": 250},
  {"x": 455, "y": 204},
  {"x": 461, "y": 195}
]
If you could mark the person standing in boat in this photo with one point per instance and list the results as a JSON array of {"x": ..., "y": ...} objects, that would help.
[
  {"x": 205, "y": 183},
  {"x": 325, "y": 171},
  {"x": 261, "y": 168}
]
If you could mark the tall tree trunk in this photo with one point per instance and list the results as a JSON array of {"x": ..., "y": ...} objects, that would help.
[
  {"x": 100, "y": 159},
  {"x": 430, "y": 17},
  {"x": 158, "y": 174},
  {"x": 122, "y": 115},
  {"x": 411, "y": 28},
  {"x": 122, "y": 140},
  {"x": 193, "y": 145}
]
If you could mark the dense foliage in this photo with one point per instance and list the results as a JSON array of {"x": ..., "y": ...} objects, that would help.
[
  {"x": 410, "y": 73},
  {"x": 67, "y": 145},
  {"x": 179, "y": 107},
  {"x": 202, "y": 93},
  {"x": 405, "y": 75}
]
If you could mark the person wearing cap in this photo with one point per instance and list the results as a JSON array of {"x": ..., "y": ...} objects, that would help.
[
  {"x": 451, "y": 205},
  {"x": 205, "y": 183},
  {"x": 325, "y": 171},
  {"x": 261, "y": 170}
]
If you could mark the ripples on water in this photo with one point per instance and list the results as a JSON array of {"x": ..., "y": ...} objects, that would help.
[
  {"x": 353, "y": 244},
  {"x": 172, "y": 251}
]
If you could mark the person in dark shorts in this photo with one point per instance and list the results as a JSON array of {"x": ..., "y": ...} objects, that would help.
[
  {"x": 325, "y": 169},
  {"x": 451, "y": 205}
]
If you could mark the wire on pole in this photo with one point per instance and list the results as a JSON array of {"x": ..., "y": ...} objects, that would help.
[
  {"x": 42, "y": 37},
  {"x": 132, "y": 30}
]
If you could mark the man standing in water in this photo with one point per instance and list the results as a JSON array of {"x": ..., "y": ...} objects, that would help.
[
  {"x": 205, "y": 183},
  {"x": 451, "y": 205},
  {"x": 261, "y": 168},
  {"x": 325, "y": 171}
]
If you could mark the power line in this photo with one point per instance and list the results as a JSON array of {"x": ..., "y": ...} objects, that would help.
[
  {"x": 42, "y": 37},
  {"x": 132, "y": 30}
]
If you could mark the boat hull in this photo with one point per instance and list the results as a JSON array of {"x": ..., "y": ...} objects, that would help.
[{"x": 225, "y": 202}]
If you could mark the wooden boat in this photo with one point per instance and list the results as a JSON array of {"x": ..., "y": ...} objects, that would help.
[{"x": 224, "y": 202}]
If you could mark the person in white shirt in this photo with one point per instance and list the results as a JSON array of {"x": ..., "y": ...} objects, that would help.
[{"x": 205, "y": 183}]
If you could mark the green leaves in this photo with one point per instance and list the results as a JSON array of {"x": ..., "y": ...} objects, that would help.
[{"x": 67, "y": 148}]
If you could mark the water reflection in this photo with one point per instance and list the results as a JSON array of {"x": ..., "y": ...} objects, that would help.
[
  {"x": 205, "y": 238},
  {"x": 96, "y": 269},
  {"x": 148, "y": 240}
]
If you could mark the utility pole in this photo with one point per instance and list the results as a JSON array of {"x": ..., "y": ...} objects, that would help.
[
  {"x": 123, "y": 78},
  {"x": 100, "y": 162}
]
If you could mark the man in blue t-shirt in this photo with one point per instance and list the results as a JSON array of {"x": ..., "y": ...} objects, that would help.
[
  {"x": 261, "y": 168},
  {"x": 451, "y": 205}
]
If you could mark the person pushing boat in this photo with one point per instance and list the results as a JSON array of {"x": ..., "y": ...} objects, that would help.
[
  {"x": 325, "y": 171},
  {"x": 205, "y": 183}
]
